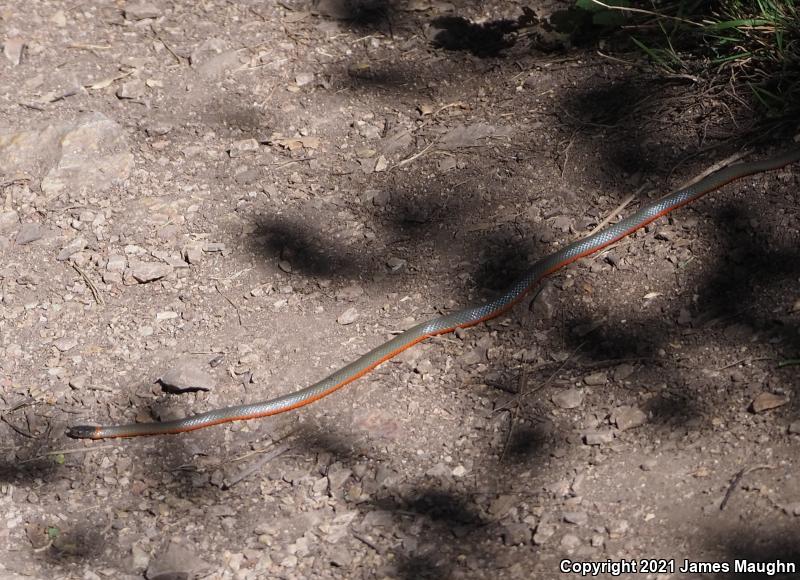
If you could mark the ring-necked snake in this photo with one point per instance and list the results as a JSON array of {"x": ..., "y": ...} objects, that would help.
[{"x": 449, "y": 322}]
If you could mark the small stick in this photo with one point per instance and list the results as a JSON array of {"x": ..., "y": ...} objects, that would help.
[
  {"x": 616, "y": 211},
  {"x": 68, "y": 452},
  {"x": 789, "y": 362},
  {"x": 256, "y": 466},
  {"x": 738, "y": 478},
  {"x": 415, "y": 156},
  {"x": 92, "y": 288}
]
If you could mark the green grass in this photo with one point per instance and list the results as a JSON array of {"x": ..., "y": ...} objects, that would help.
[{"x": 757, "y": 42}]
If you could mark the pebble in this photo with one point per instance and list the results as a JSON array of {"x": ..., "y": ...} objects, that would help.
[
  {"x": 648, "y": 464},
  {"x": 349, "y": 316},
  {"x": 144, "y": 272},
  {"x": 285, "y": 266},
  {"x": 794, "y": 428},
  {"x": 576, "y": 518},
  {"x": 515, "y": 534},
  {"x": 243, "y": 147},
  {"x": 618, "y": 528},
  {"x": 395, "y": 264},
  {"x": 598, "y": 541},
  {"x": 131, "y": 90},
  {"x": 72, "y": 248},
  {"x": 570, "y": 541},
  {"x": 116, "y": 263},
  {"x": 765, "y": 401},
  {"x": 543, "y": 533},
  {"x": 193, "y": 254},
  {"x": 304, "y": 78},
  {"x": 350, "y": 293},
  {"x": 381, "y": 164},
  {"x": 28, "y": 233},
  {"x": 568, "y": 398},
  {"x": 598, "y": 437},
  {"x": 628, "y": 417},
  {"x": 8, "y": 220},
  {"x": 595, "y": 379},
  {"x": 459, "y": 471}
]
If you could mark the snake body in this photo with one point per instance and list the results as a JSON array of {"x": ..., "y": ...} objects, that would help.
[{"x": 449, "y": 322}]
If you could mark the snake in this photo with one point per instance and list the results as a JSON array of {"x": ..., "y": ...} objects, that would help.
[{"x": 464, "y": 318}]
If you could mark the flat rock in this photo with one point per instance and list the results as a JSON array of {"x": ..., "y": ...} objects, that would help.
[
  {"x": 576, "y": 518},
  {"x": 144, "y": 272},
  {"x": 765, "y": 401},
  {"x": 794, "y": 428},
  {"x": 187, "y": 374},
  {"x": 84, "y": 156},
  {"x": 141, "y": 11},
  {"x": 175, "y": 562},
  {"x": 626, "y": 417},
  {"x": 568, "y": 398},
  {"x": 349, "y": 316},
  {"x": 29, "y": 233},
  {"x": 598, "y": 437},
  {"x": 12, "y": 49}
]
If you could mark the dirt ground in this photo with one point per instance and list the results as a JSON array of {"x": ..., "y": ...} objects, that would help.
[{"x": 244, "y": 196}]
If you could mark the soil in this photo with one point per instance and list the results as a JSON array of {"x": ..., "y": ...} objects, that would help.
[{"x": 252, "y": 194}]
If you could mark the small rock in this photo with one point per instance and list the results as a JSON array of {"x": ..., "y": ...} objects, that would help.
[
  {"x": 395, "y": 263},
  {"x": 618, "y": 528},
  {"x": 176, "y": 562},
  {"x": 8, "y": 220},
  {"x": 765, "y": 401},
  {"x": 243, "y": 147},
  {"x": 684, "y": 317},
  {"x": 796, "y": 306},
  {"x": 792, "y": 509},
  {"x": 598, "y": 541},
  {"x": 598, "y": 437},
  {"x": 141, "y": 11},
  {"x": 576, "y": 518},
  {"x": 459, "y": 471},
  {"x": 594, "y": 379},
  {"x": 193, "y": 254},
  {"x": 515, "y": 534},
  {"x": 648, "y": 465},
  {"x": 350, "y": 293},
  {"x": 568, "y": 398},
  {"x": 187, "y": 374},
  {"x": 570, "y": 541},
  {"x": 286, "y": 266},
  {"x": 139, "y": 557},
  {"x": 72, "y": 248},
  {"x": 628, "y": 417},
  {"x": 212, "y": 247},
  {"x": 337, "y": 477},
  {"x": 502, "y": 504},
  {"x": 133, "y": 90},
  {"x": 341, "y": 557},
  {"x": 304, "y": 78},
  {"x": 623, "y": 371},
  {"x": 543, "y": 533},
  {"x": 28, "y": 233},
  {"x": 794, "y": 428},
  {"x": 116, "y": 263},
  {"x": 381, "y": 164},
  {"x": 12, "y": 49},
  {"x": 144, "y": 272},
  {"x": 349, "y": 316}
]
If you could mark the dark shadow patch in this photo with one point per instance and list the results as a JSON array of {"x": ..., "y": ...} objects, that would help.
[
  {"x": 761, "y": 546},
  {"x": 482, "y": 40}
]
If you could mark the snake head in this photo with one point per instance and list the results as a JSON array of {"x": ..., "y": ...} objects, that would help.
[{"x": 82, "y": 432}]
